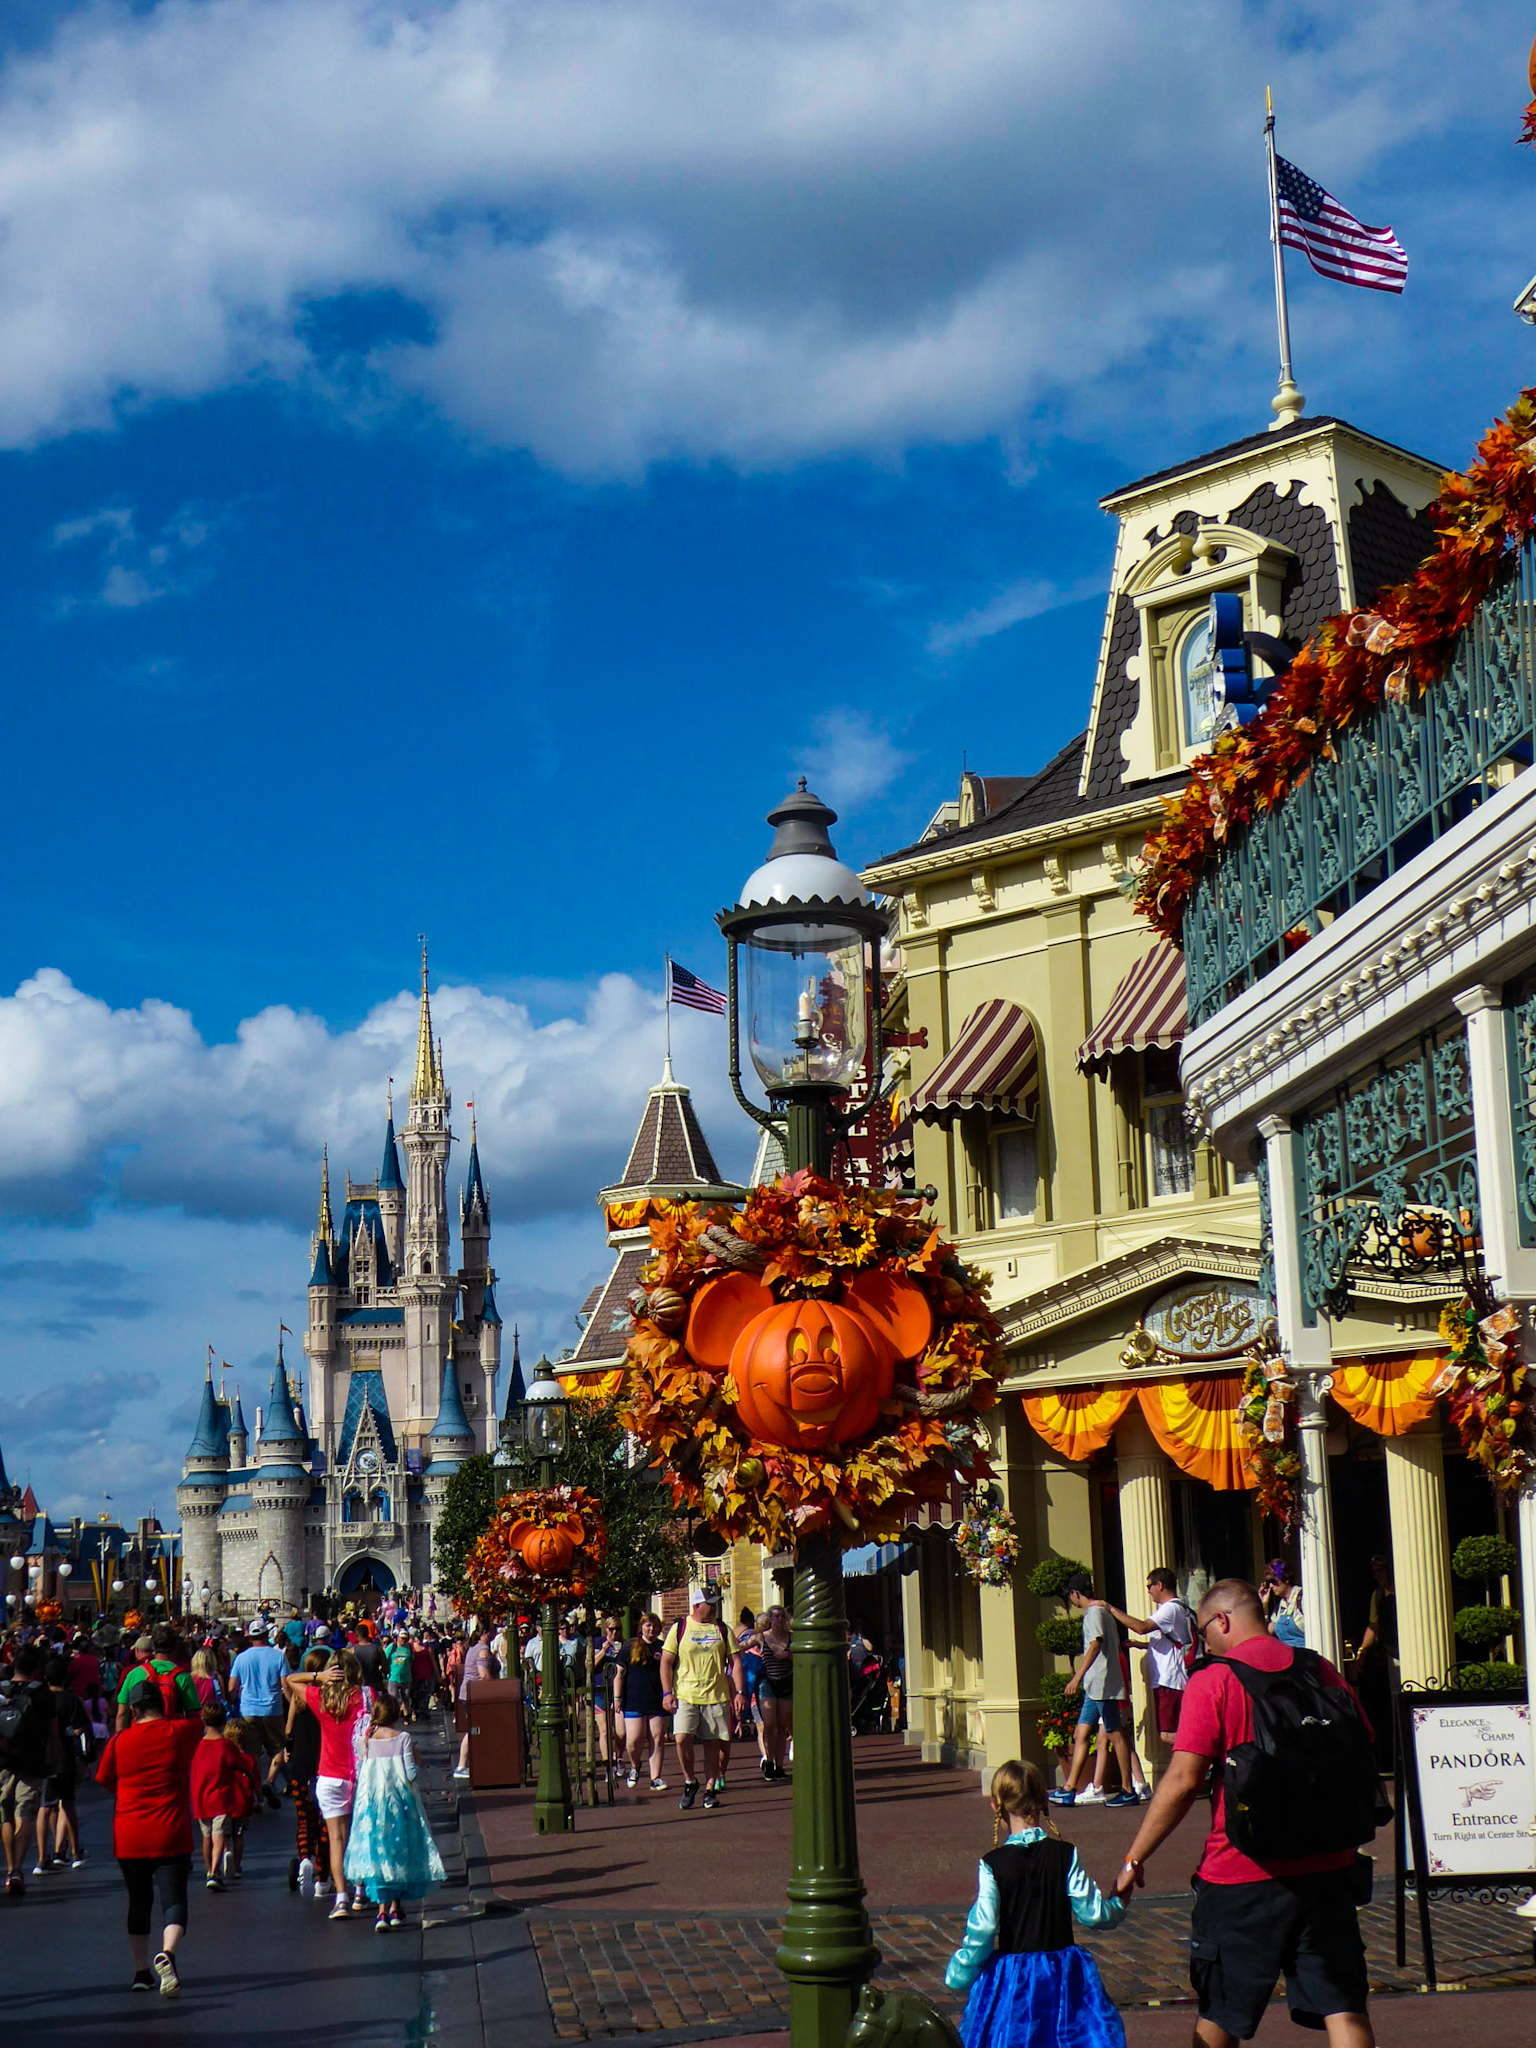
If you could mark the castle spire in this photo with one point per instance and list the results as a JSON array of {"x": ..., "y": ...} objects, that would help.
[
  {"x": 325, "y": 1227},
  {"x": 389, "y": 1171},
  {"x": 428, "y": 1081}
]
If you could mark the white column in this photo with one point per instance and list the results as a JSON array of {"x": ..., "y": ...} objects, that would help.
[
  {"x": 1146, "y": 1541},
  {"x": 1309, "y": 1347},
  {"x": 1510, "y": 1265},
  {"x": 1421, "y": 1569}
]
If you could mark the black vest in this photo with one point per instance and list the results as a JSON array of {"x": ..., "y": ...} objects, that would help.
[{"x": 1033, "y": 1910}]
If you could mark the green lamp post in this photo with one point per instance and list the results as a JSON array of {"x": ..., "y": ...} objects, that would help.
[
  {"x": 812, "y": 936},
  {"x": 540, "y": 1426}
]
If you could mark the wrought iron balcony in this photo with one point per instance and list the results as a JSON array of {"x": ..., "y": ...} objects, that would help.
[{"x": 1403, "y": 775}]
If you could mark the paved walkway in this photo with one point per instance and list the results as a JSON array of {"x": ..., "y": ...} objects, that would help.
[
  {"x": 623, "y": 1947},
  {"x": 260, "y": 1968}
]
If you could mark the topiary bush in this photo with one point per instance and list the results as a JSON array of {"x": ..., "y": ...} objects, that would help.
[
  {"x": 1494, "y": 1677},
  {"x": 1061, "y": 1636},
  {"x": 1480, "y": 1558},
  {"x": 1058, "y": 1715},
  {"x": 1477, "y": 1627},
  {"x": 1048, "y": 1580}
]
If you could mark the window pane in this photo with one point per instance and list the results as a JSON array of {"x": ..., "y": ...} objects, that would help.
[
  {"x": 1016, "y": 1174},
  {"x": 1172, "y": 1145},
  {"x": 1197, "y": 680}
]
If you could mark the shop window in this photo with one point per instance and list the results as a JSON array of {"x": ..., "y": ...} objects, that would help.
[
  {"x": 1171, "y": 1143},
  {"x": 1015, "y": 1174}
]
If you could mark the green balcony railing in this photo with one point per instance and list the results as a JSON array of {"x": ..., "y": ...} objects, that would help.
[{"x": 1402, "y": 776}]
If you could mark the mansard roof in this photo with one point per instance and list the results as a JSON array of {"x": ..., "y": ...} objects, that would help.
[
  {"x": 670, "y": 1148},
  {"x": 365, "y": 1391},
  {"x": 604, "y": 1339}
]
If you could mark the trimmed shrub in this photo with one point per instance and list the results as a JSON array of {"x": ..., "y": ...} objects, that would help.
[
  {"x": 1479, "y": 1558},
  {"x": 1477, "y": 1627},
  {"x": 1049, "y": 1578},
  {"x": 1058, "y": 1715},
  {"x": 1061, "y": 1636},
  {"x": 1494, "y": 1677}
]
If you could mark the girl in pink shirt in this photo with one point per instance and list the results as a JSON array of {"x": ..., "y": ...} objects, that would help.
[{"x": 340, "y": 1702}]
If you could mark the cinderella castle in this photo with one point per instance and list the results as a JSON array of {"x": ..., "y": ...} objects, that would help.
[{"x": 342, "y": 1497}]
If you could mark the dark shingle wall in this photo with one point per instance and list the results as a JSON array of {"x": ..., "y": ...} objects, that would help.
[
  {"x": 1117, "y": 706},
  {"x": 1387, "y": 542},
  {"x": 1311, "y": 589}
]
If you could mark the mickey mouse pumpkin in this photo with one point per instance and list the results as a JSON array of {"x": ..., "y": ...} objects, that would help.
[
  {"x": 809, "y": 1373},
  {"x": 546, "y": 1551}
]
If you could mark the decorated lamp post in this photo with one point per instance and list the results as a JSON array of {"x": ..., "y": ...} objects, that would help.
[
  {"x": 542, "y": 1421},
  {"x": 809, "y": 1368}
]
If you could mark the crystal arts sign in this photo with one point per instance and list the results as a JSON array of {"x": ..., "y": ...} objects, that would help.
[{"x": 1204, "y": 1320}]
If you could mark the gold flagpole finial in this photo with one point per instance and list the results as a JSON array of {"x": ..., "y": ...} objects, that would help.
[{"x": 1269, "y": 103}]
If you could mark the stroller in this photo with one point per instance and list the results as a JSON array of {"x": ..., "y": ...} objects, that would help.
[{"x": 870, "y": 1699}]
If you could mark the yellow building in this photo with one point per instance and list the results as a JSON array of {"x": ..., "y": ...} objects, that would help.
[{"x": 1047, "y": 1105}]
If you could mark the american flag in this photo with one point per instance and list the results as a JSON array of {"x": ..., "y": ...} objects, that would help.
[
  {"x": 1332, "y": 240},
  {"x": 693, "y": 994}
]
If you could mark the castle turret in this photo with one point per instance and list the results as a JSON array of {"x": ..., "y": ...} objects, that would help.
[
  {"x": 239, "y": 1436},
  {"x": 201, "y": 1494},
  {"x": 280, "y": 1493},
  {"x": 452, "y": 1439},
  {"x": 392, "y": 1188}
]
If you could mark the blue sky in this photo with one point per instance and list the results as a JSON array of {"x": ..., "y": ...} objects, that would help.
[{"x": 458, "y": 462}]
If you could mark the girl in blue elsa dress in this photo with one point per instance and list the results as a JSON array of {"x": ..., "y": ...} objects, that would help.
[
  {"x": 390, "y": 1851},
  {"x": 1030, "y": 1986}
]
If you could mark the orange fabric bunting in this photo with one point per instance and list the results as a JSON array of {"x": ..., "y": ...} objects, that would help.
[
  {"x": 1196, "y": 1423},
  {"x": 1388, "y": 1395},
  {"x": 1079, "y": 1420}
]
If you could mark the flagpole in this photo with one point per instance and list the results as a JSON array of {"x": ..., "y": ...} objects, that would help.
[
  {"x": 1288, "y": 403},
  {"x": 667, "y": 1009}
]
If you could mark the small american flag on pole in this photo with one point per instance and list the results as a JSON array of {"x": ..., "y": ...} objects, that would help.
[
  {"x": 690, "y": 992},
  {"x": 1332, "y": 240}
]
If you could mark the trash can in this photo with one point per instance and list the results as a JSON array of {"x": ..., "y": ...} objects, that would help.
[{"x": 495, "y": 1722}]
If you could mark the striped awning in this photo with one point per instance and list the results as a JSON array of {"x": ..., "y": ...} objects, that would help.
[
  {"x": 993, "y": 1064},
  {"x": 1148, "y": 1008}
]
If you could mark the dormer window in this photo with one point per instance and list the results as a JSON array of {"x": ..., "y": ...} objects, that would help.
[{"x": 1196, "y": 673}]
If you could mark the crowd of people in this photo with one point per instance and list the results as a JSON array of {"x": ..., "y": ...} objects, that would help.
[{"x": 196, "y": 1730}]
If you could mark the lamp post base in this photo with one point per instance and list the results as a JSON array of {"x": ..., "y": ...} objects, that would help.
[
  {"x": 828, "y": 1951},
  {"x": 554, "y": 1812}
]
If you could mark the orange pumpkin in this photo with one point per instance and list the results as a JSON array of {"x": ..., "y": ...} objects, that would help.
[
  {"x": 810, "y": 1373},
  {"x": 548, "y": 1552}
]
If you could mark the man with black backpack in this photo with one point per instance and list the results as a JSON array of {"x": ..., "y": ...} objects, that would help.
[
  {"x": 1294, "y": 1796},
  {"x": 29, "y": 1753}
]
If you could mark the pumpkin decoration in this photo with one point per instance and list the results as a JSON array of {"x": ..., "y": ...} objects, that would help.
[
  {"x": 666, "y": 1307},
  {"x": 546, "y": 1550},
  {"x": 542, "y": 1543},
  {"x": 827, "y": 1374}
]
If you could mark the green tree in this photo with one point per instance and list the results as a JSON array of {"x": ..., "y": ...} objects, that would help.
[{"x": 647, "y": 1550}]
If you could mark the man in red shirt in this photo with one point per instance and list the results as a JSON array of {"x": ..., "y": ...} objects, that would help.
[{"x": 1253, "y": 1920}]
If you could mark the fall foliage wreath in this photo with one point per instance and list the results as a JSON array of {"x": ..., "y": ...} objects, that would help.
[
  {"x": 1398, "y": 651},
  {"x": 1485, "y": 1385},
  {"x": 811, "y": 1363},
  {"x": 543, "y": 1543}
]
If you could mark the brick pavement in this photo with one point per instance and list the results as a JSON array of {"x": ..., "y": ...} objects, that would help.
[{"x": 622, "y": 1946}]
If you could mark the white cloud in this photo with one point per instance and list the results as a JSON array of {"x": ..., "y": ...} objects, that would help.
[
  {"x": 851, "y": 758},
  {"x": 647, "y": 228},
  {"x": 131, "y": 569},
  {"x": 136, "y": 1103},
  {"x": 1026, "y": 597}
]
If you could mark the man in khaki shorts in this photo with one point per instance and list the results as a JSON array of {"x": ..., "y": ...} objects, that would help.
[{"x": 700, "y": 1672}]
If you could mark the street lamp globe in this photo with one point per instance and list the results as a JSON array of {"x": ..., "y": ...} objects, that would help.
[
  {"x": 18, "y": 1563},
  {"x": 117, "y": 1585},
  {"x": 544, "y": 1417},
  {"x": 64, "y": 1569},
  {"x": 805, "y": 919},
  {"x": 150, "y": 1585}
]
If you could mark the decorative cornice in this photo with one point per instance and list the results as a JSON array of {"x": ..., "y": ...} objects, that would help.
[{"x": 941, "y": 856}]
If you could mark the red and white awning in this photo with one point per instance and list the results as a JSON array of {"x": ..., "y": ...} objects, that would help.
[
  {"x": 1148, "y": 1008},
  {"x": 993, "y": 1064}
]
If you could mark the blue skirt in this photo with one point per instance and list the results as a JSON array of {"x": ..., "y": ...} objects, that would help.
[{"x": 1051, "y": 1998}]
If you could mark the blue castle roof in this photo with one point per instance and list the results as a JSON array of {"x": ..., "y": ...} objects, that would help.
[
  {"x": 210, "y": 1437},
  {"x": 491, "y": 1313},
  {"x": 452, "y": 1424},
  {"x": 321, "y": 1274},
  {"x": 366, "y": 1391},
  {"x": 279, "y": 1424},
  {"x": 389, "y": 1172},
  {"x": 364, "y": 1210}
]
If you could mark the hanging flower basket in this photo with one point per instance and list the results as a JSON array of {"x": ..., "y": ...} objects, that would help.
[
  {"x": 542, "y": 1543},
  {"x": 814, "y": 1362},
  {"x": 988, "y": 1542},
  {"x": 1485, "y": 1385},
  {"x": 1266, "y": 1419}
]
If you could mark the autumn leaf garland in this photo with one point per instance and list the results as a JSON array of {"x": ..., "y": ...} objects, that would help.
[{"x": 1356, "y": 661}]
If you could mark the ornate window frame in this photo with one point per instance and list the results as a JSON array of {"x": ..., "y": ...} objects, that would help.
[{"x": 1169, "y": 588}]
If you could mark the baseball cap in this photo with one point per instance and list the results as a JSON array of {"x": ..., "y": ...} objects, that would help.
[
  {"x": 257, "y": 1628},
  {"x": 698, "y": 1594},
  {"x": 144, "y": 1643}
]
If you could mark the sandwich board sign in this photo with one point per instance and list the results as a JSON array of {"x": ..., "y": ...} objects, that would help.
[{"x": 1466, "y": 1801}]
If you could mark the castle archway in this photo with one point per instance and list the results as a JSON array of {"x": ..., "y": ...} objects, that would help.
[{"x": 364, "y": 1578}]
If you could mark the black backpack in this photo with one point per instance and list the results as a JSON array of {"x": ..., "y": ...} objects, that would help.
[{"x": 1307, "y": 1784}]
